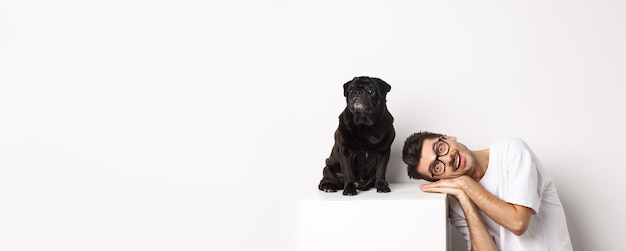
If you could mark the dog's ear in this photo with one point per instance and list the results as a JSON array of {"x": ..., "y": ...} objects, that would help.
[
  {"x": 383, "y": 87},
  {"x": 346, "y": 85}
]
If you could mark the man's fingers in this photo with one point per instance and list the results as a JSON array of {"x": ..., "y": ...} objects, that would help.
[
  {"x": 438, "y": 190},
  {"x": 445, "y": 190},
  {"x": 443, "y": 183}
]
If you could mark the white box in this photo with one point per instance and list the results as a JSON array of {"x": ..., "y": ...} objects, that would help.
[{"x": 404, "y": 219}]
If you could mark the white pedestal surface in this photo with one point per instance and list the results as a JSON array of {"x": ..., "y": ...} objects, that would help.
[{"x": 404, "y": 219}]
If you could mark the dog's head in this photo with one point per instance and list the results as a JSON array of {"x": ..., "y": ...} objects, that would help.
[{"x": 365, "y": 96}]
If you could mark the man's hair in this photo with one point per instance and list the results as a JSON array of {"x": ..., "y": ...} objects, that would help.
[{"x": 412, "y": 152}]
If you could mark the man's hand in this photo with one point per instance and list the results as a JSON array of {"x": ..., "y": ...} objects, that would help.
[{"x": 447, "y": 186}]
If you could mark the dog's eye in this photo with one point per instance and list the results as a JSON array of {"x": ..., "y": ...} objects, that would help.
[{"x": 370, "y": 91}]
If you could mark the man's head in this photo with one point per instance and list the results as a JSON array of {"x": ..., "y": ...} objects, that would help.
[
  {"x": 433, "y": 156},
  {"x": 412, "y": 152}
]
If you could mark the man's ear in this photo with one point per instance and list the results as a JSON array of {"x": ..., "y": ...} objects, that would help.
[{"x": 449, "y": 137}]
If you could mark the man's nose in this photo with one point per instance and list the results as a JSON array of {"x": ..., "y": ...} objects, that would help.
[{"x": 447, "y": 159}]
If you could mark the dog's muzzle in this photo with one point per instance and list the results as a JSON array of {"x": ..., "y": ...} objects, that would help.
[{"x": 358, "y": 104}]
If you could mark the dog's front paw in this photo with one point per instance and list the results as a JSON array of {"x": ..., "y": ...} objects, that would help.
[
  {"x": 349, "y": 190},
  {"x": 382, "y": 186},
  {"x": 328, "y": 187}
]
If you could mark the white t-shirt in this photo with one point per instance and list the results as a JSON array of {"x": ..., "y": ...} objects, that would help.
[{"x": 515, "y": 175}]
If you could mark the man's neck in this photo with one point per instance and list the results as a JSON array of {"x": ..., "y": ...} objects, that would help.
[{"x": 482, "y": 162}]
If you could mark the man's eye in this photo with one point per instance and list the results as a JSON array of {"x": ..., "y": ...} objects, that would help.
[
  {"x": 439, "y": 149},
  {"x": 436, "y": 168}
]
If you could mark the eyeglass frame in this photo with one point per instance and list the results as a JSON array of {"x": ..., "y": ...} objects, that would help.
[{"x": 432, "y": 167}]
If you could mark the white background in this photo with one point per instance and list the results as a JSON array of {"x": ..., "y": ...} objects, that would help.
[{"x": 195, "y": 125}]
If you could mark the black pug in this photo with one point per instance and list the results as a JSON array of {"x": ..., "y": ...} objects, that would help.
[{"x": 362, "y": 141}]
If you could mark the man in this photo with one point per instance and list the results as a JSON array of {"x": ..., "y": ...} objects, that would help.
[{"x": 504, "y": 198}]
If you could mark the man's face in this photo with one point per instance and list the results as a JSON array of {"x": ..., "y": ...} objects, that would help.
[{"x": 444, "y": 158}]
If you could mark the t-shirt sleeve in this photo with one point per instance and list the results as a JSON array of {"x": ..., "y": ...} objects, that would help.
[{"x": 522, "y": 181}]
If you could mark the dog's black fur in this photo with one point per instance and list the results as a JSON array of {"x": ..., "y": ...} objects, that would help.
[{"x": 363, "y": 140}]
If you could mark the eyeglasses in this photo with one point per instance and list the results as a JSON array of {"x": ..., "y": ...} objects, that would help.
[{"x": 441, "y": 148}]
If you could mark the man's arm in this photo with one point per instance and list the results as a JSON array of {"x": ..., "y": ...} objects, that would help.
[
  {"x": 479, "y": 235},
  {"x": 513, "y": 217}
]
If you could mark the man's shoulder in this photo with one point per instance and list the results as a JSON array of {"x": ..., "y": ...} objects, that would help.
[
  {"x": 510, "y": 147},
  {"x": 511, "y": 142}
]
